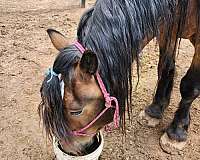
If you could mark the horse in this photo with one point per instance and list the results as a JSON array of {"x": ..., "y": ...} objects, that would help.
[{"x": 112, "y": 35}]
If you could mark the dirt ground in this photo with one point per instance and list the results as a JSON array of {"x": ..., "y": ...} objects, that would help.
[{"x": 26, "y": 52}]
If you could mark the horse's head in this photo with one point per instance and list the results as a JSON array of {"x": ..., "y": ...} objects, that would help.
[{"x": 82, "y": 99}]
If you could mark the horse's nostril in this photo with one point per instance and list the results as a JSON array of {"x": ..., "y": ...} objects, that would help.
[{"x": 76, "y": 113}]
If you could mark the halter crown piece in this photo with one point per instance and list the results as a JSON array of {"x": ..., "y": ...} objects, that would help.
[{"x": 110, "y": 102}]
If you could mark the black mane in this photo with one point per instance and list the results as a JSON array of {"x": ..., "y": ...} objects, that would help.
[{"x": 114, "y": 30}]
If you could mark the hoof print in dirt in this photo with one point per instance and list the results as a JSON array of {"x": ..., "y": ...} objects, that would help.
[
  {"x": 146, "y": 120},
  {"x": 171, "y": 146}
]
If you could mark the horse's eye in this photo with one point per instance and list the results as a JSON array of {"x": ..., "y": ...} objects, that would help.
[{"x": 76, "y": 113}]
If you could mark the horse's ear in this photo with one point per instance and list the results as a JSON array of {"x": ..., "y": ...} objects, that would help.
[
  {"x": 59, "y": 41},
  {"x": 89, "y": 62}
]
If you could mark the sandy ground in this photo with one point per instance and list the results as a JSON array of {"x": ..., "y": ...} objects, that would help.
[{"x": 26, "y": 52}]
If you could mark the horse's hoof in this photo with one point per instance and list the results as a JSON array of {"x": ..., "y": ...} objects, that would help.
[
  {"x": 171, "y": 146},
  {"x": 154, "y": 111},
  {"x": 145, "y": 119},
  {"x": 179, "y": 133}
]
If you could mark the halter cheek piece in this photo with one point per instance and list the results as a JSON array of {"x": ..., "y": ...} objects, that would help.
[{"x": 110, "y": 102}]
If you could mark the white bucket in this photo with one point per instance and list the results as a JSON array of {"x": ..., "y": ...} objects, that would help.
[{"x": 60, "y": 155}]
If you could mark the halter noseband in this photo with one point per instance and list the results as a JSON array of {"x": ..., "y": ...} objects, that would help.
[{"x": 110, "y": 102}]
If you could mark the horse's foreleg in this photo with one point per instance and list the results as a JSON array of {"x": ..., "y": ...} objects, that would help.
[
  {"x": 166, "y": 70},
  {"x": 190, "y": 90}
]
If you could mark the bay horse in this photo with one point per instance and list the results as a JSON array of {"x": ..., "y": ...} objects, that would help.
[{"x": 113, "y": 33}]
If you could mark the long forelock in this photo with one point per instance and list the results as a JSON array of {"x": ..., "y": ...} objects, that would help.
[{"x": 51, "y": 109}]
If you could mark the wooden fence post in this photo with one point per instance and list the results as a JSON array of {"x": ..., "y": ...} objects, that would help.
[{"x": 82, "y": 3}]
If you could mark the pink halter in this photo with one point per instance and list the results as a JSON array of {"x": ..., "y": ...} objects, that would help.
[{"x": 108, "y": 103}]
